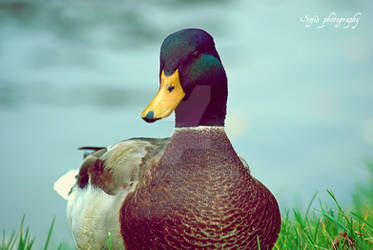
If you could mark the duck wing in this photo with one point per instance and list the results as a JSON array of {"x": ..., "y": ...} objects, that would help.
[
  {"x": 102, "y": 184},
  {"x": 119, "y": 166}
]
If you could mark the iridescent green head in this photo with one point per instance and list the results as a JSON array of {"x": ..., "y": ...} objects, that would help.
[{"x": 192, "y": 81}]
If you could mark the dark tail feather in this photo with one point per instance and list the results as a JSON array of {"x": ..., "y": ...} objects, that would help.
[
  {"x": 95, "y": 149},
  {"x": 91, "y": 148}
]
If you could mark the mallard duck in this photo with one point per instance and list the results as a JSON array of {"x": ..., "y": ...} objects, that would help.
[{"x": 188, "y": 191}]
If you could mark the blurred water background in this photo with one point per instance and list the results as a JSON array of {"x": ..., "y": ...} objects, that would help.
[{"x": 74, "y": 73}]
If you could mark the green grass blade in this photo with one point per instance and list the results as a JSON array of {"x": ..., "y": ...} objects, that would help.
[
  {"x": 49, "y": 233},
  {"x": 12, "y": 240},
  {"x": 334, "y": 220},
  {"x": 310, "y": 204},
  {"x": 258, "y": 241},
  {"x": 362, "y": 220},
  {"x": 108, "y": 242}
]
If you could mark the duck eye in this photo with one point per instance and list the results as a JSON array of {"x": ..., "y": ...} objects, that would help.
[
  {"x": 195, "y": 54},
  {"x": 170, "y": 88}
]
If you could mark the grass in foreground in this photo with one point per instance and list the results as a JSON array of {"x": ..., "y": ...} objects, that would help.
[
  {"x": 324, "y": 228},
  {"x": 24, "y": 241},
  {"x": 331, "y": 227}
]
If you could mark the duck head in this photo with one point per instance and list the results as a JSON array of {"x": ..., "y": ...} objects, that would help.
[{"x": 192, "y": 81}]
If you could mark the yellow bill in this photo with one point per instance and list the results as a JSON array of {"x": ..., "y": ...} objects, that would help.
[{"x": 168, "y": 97}]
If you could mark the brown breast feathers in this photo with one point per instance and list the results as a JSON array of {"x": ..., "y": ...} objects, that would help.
[{"x": 199, "y": 195}]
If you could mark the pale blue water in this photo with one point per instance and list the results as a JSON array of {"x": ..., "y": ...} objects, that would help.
[{"x": 74, "y": 73}]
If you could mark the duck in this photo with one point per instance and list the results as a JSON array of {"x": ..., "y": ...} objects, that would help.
[{"x": 191, "y": 190}]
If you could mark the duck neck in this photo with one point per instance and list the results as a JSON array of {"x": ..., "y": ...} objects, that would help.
[
  {"x": 197, "y": 138},
  {"x": 206, "y": 91},
  {"x": 203, "y": 107}
]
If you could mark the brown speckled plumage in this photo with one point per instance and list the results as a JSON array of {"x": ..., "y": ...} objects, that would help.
[{"x": 199, "y": 195}]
